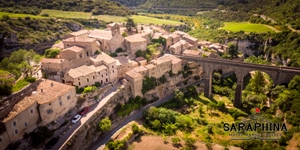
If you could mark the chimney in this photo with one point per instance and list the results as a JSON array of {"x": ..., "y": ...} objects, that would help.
[
  {"x": 51, "y": 83},
  {"x": 42, "y": 90}
]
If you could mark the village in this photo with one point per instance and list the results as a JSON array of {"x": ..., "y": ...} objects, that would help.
[{"x": 86, "y": 59}]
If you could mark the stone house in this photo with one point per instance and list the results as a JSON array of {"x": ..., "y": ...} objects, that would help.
[
  {"x": 141, "y": 61},
  {"x": 134, "y": 43},
  {"x": 20, "y": 120},
  {"x": 54, "y": 68},
  {"x": 109, "y": 62},
  {"x": 179, "y": 47},
  {"x": 168, "y": 39},
  {"x": 142, "y": 70},
  {"x": 180, "y": 33},
  {"x": 54, "y": 99},
  {"x": 80, "y": 33},
  {"x": 162, "y": 65},
  {"x": 135, "y": 79},
  {"x": 74, "y": 52},
  {"x": 89, "y": 44},
  {"x": 51, "y": 101},
  {"x": 151, "y": 70},
  {"x": 175, "y": 38},
  {"x": 192, "y": 41},
  {"x": 191, "y": 53},
  {"x": 176, "y": 63},
  {"x": 82, "y": 76},
  {"x": 110, "y": 39},
  {"x": 123, "y": 65}
]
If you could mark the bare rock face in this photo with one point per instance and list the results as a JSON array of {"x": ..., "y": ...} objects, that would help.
[{"x": 74, "y": 26}]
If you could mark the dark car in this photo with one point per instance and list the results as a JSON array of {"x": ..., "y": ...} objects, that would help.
[
  {"x": 51, "y": 143},
  {"x": 84, "y": 110}
]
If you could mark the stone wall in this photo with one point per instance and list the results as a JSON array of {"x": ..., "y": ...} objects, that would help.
[{"x": 89, "y": 132}]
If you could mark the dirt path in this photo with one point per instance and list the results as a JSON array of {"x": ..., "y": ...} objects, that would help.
[{"x": 273, "y": 28}]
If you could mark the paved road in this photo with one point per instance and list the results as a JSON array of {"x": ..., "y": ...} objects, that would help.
[
  {"x": 100, "y": 144},
  {"x": 75, "y": 127}
]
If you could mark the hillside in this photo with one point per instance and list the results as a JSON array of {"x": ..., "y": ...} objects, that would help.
[{"x": 96, "y": 7}]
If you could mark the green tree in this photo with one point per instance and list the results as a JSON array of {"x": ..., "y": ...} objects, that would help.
[
  {"x": 51, "y": 53},
  {"x": 105, "y": 124},
  {"x": 184, "y": 122},
  {"x": 179, "y": 96},
  {"x": 135, "y": 129},
  {"x": 257, "y": 83},
  {"x": 6, "y": 82},
  {"x": 295, "y": 83},
  {"x": 189, "y": 142},
  {"x": 130, "y": 24},
  {"x": 232, "y": 50},
  {"x": 124, "y": 34}
]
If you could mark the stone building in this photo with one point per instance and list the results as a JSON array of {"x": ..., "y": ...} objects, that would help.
[
  {"x": 109, "y": 62},
  {"x": 21, "y": 119},
  {"x": 89, "y": 44},
  {"x": 124, "y": 64},
  {"x": 136, "y": 81},
  {"x": 74, "y": 52},
  {"x": 142, "y": 70},
  {"x": 179, "y": 47},
  {"x": 176, "y": 63},
  {"x": 54, "y": 99},
  {"x": 193, "y": 42},
  {"x": 141, "y": 61},
  {"x": 175, "y": 38},
  {"x": 134, "y": 43},
  {"x": 180, "y": 33},
  {"x": 191, "y": 52},
  {"x": 110, "y": 39},
  {"x": 162, "y": 65},
  {"x": 168, "y": 39},
  {"x": 50, "y": 102},
  {"x": 151, "y": 70},
  {"x": 80, "y": 33},
  {"x": 81, "y": 76},
  {"x": 54, "y": 68}
]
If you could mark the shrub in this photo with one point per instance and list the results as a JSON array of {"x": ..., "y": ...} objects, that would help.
[
  {"x": 30, "y": 79},
  {"x": 119, "y": 50},
  {"x": 40, "y": 135},
  {"x": 27, "y": 18},
  {"x": 210, "y": 129},
  {"x": 135, "y": 129},
  {"x": 97, "y": 84},
  {"x": 97, "y": 52},
  {"x": 89, "y": 89},
  {"x": 105, "y": 124},
  {"x": 5, "y": 17},
  {"x": 124, "y": 34}
]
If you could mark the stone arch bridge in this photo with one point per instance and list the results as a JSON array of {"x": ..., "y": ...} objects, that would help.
[{"x": 280, "y": 75}]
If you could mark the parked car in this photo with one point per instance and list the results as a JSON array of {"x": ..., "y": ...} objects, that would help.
[
  {"x": 84, "y": 110},
  {"x": 51, "y": 143},
  {"x": 76, "y": 118}
]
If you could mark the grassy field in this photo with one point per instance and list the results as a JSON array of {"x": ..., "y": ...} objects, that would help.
[
  {"x": 13, "y": 15},
  {"x": 110, "y": 18},
  {"x": 148, "y": 20},
  {"x": 247, "y": 27},
  {"x": 65, "y": 14}
]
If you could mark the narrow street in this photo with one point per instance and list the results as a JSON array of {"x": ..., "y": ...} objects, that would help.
[{"x": 74, "y": 127}]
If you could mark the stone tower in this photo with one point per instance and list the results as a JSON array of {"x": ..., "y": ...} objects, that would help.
[{"x": 115, "y": 30}]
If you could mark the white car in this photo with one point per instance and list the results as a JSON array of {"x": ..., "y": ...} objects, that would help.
[{"x": 76, "y": 118}]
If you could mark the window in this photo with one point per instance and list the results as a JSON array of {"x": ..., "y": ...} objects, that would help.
[
  {"x": 14, "y": 123},
  {"x": 49, "y": 111},
  {"x": 102, "y": 76},
  {"x": 80, "y": 55},
  {"x": 93, "y": 77},
  {"x": 98, "y": 72},
  {"x": 113, "y": 71},
  {"x": 78, "y": 79},
  {"x": 26, "y": 124},
  {"x": 112, "y": 66},
  {"x": 16, "y": 131},
  {"x": 31, "y": 111},
  {"x": 1, "y": 139},
  {"x": 106, "y": 80},
  {"x": 87, "y": 53},
  {"x": 68, "y": 97},
  {"x": 60, "y": 103},
  {"x": 49, "y": 103},
  {"x": 68, "y": 45},
  {"x": 106, "y": 74},
  {"x": 79, "y": 83},
  {"x": 87, "y": 80}
]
